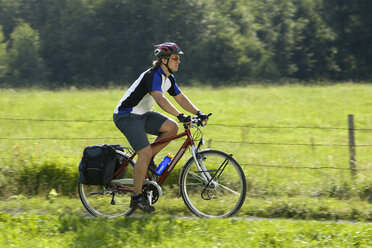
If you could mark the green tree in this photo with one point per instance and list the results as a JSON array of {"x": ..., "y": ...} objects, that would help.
[
  {"x": 313, "y": 52},
  {"x": 26, "y": 67},
  {"x": 297, "y": 37},
  {"x": 9, "y": 12},
  {"x": 3, "y": 61},
  {"x": 228, "y": 49},
  {"x": 274, "y": 20},
  {"x": 352, "y": 24},
  {"x": 99, "y": 41}
]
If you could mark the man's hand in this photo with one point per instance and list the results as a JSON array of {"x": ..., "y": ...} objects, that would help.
[
  {"x": 184, "y": 119},
  {"x": 202, "y": 117}
]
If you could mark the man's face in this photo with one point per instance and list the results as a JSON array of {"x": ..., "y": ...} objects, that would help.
[{"x": 174, "y": 62}]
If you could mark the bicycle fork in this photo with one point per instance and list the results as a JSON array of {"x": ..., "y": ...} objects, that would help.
[
  {"x": 215, "y": 178},
  {"x": 205, "y": 173}
]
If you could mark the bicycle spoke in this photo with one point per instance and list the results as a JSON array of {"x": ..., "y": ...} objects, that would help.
[
  {"x": 201, "y": 179},
  {"x": 222, "y": 194},
  {"x": 228, "y": 189},
  {"x": 195, "y": 184}
]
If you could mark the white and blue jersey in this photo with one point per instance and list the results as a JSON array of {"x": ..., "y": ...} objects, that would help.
[{"x": 137, "y": 100}]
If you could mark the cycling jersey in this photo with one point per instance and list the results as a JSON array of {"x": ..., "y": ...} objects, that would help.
[{"x": 137, "y": 100}]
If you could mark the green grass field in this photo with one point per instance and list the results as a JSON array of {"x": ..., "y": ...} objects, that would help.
[
  {"x": 38, "y": 156},
  {"x": 60, "y": 222},
  {"x": 247, "y": 109},
  {"x": 169, "y": 231}
]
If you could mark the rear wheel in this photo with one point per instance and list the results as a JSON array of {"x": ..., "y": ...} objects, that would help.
[
  {"x": 216, "y": 188},
  {"x": 109, "y": 201}
]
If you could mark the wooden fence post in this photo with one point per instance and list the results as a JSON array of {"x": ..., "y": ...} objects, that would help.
[{"x": 352, "y": 145}]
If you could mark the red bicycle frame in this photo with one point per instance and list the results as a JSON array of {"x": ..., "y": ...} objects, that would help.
[{"x": 188, "y": 142}]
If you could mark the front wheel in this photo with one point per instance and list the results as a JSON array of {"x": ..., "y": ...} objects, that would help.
[{"x": 213, "y": 187}]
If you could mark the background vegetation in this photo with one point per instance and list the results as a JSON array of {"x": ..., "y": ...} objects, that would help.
[
  {"x": 50, "y": 230},
  {"x": 95, "y": 42},
  {"x": 42, "y": 143},
  {"x": 293, "y": 170}
]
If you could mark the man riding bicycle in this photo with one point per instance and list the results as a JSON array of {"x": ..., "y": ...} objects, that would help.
[{"x": 134, "y": 118}]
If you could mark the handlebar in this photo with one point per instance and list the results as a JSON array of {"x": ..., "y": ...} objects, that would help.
[{"x": 196, "y": 120}]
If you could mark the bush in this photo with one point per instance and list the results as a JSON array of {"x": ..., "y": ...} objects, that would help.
[
  {"x": 41, "y": 178},
  {"x": 365, "y": 192}
]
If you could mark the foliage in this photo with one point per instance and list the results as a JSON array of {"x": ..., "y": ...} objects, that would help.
[
  {"x": 351, "y": 22},
  {"x": 34, "y": 178},
  {"x": 79, "y": 42},
  {"x": 167, "y": 231},
  {"x": 25, "y": 66},
  {"x": 3, "y": 61}
]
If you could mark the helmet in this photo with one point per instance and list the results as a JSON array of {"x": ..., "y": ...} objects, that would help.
[{"x": 166, "y": 49}]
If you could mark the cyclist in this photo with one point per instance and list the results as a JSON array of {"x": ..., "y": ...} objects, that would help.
[{"x": 134, "y": 118}]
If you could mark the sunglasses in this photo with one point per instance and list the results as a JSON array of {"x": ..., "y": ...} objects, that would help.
[{"x": 175, "y": 58}]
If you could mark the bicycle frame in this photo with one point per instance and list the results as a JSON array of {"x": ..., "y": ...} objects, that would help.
[{"x": 188, "y": 142}]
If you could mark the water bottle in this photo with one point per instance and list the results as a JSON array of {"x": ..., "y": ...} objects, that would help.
[{"x": 164, "y": 164}]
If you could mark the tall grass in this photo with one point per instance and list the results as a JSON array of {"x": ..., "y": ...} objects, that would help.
[{"x": 165, "y": 231}]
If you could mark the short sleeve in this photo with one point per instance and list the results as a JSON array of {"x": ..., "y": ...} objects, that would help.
[
  {"x": 156, "y": 82},
  {"x": 174, "y": 90}
]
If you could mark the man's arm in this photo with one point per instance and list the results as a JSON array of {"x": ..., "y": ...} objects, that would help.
[
  {"x": 164, "y": 103},
  {"x": 185, "y": 103}
]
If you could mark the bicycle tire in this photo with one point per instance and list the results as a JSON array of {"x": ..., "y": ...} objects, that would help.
[
  {"x": 218, "y": 190},
  {"x": 105, "y": 201}
]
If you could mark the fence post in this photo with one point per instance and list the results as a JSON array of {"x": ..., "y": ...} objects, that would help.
[{"x": 352, "y": 145}]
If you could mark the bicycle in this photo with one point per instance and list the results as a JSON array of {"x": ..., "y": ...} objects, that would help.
[{"x": 211, "y": 182}]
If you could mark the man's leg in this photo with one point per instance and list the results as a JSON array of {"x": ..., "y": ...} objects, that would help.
[
  {"x": 140, "y": 168},
  {"x": 168, "y": 128},
  {"x": 139, "y": 175}
]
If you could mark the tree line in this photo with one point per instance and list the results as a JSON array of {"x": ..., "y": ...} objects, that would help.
[{"x": 100, "y": 42}]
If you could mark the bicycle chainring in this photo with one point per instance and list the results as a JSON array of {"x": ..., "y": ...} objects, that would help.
[{"x": 155, "y": 192}]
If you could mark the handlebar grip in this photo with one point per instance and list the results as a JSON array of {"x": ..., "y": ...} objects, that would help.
[
  {"x": 200, "y": 123},
  {"x": 197, "y": 121}
]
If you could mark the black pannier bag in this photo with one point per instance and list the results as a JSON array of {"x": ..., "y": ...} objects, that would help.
[{"x": 97, "y": 165}]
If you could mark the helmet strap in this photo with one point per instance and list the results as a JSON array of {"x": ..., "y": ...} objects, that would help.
[{"x": 166, "y": 65}]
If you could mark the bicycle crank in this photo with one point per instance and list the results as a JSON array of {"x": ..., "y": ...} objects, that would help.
[{"x": 151, "y": 191}]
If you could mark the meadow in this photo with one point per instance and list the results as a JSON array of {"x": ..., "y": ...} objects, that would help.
[
  {"x": 291, "y": 140},
  {"x": 169, "y": 231}
]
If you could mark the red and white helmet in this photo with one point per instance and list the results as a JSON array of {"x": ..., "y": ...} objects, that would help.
[{"x": 166, "y": 49}]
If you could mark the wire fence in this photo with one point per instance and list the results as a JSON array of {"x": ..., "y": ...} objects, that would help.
[
  {"x": 209, "y": 141},
  {"x": 222, "y": 125}
]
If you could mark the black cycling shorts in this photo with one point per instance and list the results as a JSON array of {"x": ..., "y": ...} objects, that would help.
[{"x": 135, "y": 127}]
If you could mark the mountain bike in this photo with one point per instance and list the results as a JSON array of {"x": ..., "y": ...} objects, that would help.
[{"x": 211, "y": 182}]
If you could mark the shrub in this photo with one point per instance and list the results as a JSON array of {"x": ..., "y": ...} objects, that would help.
[{"x": 37, "y": 178}]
